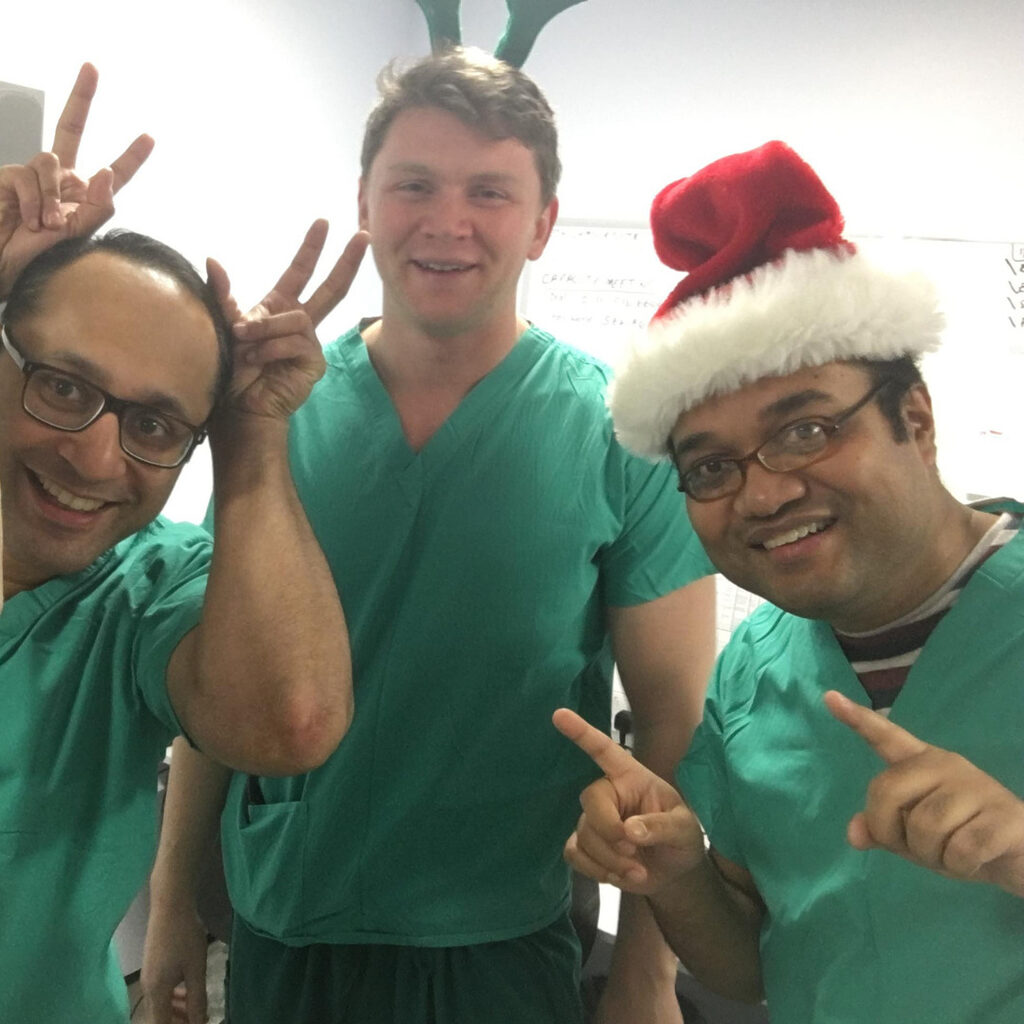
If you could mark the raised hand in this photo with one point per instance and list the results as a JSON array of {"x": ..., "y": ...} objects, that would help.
[
  {"x": 278, "y": 358},
  {"x": 46, "y": 200},
  {"x": 934, "y": 807},
  {"x": 635, "y": 831}
]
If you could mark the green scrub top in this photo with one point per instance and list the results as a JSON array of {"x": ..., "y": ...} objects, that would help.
[
  {"x": 853, "y": 936},
  {"x": 475, "y": 576},
  {"x": 84, "y": 722}
]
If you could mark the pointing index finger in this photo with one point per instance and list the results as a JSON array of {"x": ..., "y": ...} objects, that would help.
[
  {"x": 891, "y": 742},
  {"x": 598, "y": 746}
]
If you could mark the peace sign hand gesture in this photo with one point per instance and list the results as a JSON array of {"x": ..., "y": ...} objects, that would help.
[
  {"x": 278, "y": 358},
  {"x": 46, "y": 200},
  {"x": 933, "y": 807}
]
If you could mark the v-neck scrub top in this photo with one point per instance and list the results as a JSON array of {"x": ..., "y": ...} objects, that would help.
[
  {"x": 853, "y": 936},
  {"x": 84, "y": 721},
  {"x": 475, "y": 576}
]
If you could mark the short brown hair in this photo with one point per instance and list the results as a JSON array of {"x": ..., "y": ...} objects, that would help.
[{"x": 484, "y": 93}]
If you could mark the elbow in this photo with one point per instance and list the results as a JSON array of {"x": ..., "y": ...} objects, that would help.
[
  {"x": 279, "y": 728},
  {"x": 292, "y": 741},
  {"x": 308, "y": 738}
]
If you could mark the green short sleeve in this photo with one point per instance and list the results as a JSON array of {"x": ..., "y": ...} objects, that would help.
[
  {"x": 172, "y": 575},
  {"x": 657, "y": 551}
]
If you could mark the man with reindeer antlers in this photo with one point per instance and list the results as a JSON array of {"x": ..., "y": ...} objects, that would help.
[{"x": 496, "y": 549}]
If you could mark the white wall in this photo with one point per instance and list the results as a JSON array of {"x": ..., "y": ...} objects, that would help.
[{"x": 909, "y": 110}]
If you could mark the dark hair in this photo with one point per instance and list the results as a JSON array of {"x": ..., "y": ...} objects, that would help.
[
  {"x": 484, "y": 93},
  {"x": 27, "y": 291},
  {"x": 903, "y": 373}
]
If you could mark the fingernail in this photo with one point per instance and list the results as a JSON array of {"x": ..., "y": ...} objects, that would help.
[{"x": 638, "y": 830}]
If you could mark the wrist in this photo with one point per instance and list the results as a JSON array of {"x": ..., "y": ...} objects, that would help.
[
  {"x": 247, "y": 449},
  {"x": 677, "y": 889},
  {"x": 172, "y": 888},
  {"x": 229, "y": 425},
  {"x": 172, "y": 901}
]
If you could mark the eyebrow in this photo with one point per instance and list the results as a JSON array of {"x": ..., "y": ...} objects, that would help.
[
  {"x": 408, "y": 167},
  {"x": 495, "y": 178},
  {"x": 93, "y": 374},
  {"x": 784, "y": 406},
  {"x": 793, "y": 403},
  {"x": 485, "y": 177}
]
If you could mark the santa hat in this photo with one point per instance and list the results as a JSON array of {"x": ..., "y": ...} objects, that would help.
[{"x": 772, "y": 286}]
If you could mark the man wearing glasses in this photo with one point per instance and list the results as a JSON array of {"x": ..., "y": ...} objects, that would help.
[
  {"x": 63, "y": 400},
  {"x": 869, "y": 868},
  {"x": 118, "y": 632}
]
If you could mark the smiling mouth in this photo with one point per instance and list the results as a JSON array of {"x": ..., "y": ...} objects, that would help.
[
  {"x": 797, "y": 533},
  {"x": 67, "y": 499},
  {"x": 443, "y": 266}
]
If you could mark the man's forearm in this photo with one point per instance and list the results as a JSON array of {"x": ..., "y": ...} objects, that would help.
[
  {"x": 641, "y": 956},
  {"x": 271, "y": 673},
  {"x": 711, "y": 926},
  {"x": 642, "y": 962},
  {"x": 664, "y": 717},
  {"x": 196, "y": 789},
  {"x": 714, "y": 929}
]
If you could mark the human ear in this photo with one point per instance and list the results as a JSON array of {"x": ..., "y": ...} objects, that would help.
[
  {"x": 545, "y": 225},
  {"x": 364, "y": 212},
  {"x": 919, "y": 420}
]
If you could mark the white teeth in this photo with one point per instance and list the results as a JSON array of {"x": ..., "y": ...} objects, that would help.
[
  {"x": 793, "y": 535},
  {"x": 442, "y": 266},
  {"x": 67, "y": 499}
]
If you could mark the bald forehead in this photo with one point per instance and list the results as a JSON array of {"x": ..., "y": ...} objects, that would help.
[
  {"x": 130, "y": 328},
  {"x": 116, "y": 273}
]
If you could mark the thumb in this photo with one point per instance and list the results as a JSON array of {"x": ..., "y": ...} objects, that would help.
[
  {"x": 217, "y": 278},
  {"x": 658, "y": 828},
  {"x": 857, "y": 833}
]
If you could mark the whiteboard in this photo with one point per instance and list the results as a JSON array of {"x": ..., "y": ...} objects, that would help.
[{"x": 598, "y": 284}]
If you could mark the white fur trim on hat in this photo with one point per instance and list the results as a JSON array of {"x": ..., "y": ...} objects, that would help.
[{"x": 807, "y": 309}]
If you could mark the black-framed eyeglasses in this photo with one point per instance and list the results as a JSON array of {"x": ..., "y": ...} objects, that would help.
[
  {"x": 66, "y": 401},
  {"x": 796, "y": 445}
]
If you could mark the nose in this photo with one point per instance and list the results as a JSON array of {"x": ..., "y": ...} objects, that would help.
[
  {"x": 95, "y": 453},
  {"x": 764, "y": 493},
  {"x": 448, "y": 216}
]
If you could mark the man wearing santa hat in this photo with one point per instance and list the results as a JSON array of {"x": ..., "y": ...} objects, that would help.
[{"x": 860, "y": 765}]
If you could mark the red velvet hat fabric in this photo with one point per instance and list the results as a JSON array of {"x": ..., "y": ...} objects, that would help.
[
  {"x": 738, "y": 213},
  {"x": 772, "y": 287}
]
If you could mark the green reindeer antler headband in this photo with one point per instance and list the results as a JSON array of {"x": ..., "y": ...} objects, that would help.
[{"x": 526, "y": 18}]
